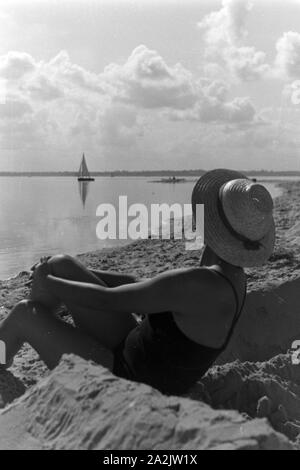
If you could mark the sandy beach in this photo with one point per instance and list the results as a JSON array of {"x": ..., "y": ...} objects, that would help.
[{"x": 255, "y": 376}]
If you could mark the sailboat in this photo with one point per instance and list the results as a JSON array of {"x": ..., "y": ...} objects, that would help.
[{"x": 84, "y": 174}]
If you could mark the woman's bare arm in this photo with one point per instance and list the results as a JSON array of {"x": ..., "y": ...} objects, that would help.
[
  {"x": 114, "y": 279},
  {"x": 178, "y": 290}
]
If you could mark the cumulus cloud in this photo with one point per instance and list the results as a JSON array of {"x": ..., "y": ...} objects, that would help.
[
  {"x": 228, "y": 24},
  {"x": 247, "y": 63},
  {"x": 145, "y": 80},
  {"x": 48, "y": 80},
  {"x": 213, "y": 106},
  {"x": 14, "y": 107},
  {"x": 62, "y": 69},
  {"x": 43, "y": 100},
  {"x": 14, "y": 65},
  {"x": 41, "y": 88},
  {"x": 59, "y": 103},
  {"x": 239, "y": 110},
  {"x": 288, "y": 55},
  {"x": 223, "y": 33}
]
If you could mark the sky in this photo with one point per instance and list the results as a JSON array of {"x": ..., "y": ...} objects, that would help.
[{"x": 149, "y": 84}]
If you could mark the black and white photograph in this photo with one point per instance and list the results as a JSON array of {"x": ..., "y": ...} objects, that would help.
[{"x": 149, "y": 231}]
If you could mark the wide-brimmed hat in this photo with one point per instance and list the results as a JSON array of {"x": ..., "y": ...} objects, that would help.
[{"x": 238, "y": 217}]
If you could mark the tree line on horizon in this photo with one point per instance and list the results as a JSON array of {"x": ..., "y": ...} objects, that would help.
[{"x": 147, "y": 173}]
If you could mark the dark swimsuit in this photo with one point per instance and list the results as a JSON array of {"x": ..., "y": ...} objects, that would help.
[{"x": 159, "y": 354}]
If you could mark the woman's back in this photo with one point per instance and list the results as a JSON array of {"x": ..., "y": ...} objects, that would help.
[
  {"x": 162, "y": 352},
  {"x": 209, "y": 322}
]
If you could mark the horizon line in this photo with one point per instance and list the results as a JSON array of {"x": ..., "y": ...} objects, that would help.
[{"x": 157, "y": 172}]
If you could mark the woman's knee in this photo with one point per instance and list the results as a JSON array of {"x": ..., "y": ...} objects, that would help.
[
  {"x": 61, "y": 264},
  {"x": 23, "y": 306}
]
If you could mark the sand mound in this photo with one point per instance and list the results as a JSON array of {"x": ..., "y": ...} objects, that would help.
[
  {"x": 83, "y": 406},
  {"x": 269, "y": 324},
  {"x": 270, "y": 389}
]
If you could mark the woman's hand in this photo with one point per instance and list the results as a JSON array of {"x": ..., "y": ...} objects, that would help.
[
  {"x": 43, "y": 259},
  {"x": 39, "y": 292},
  {"x": 33, "y": 268},
  {"x": 42, "y": 270}
]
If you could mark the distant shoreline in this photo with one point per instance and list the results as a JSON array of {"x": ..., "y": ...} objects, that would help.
[{"x": 148, "y": 173}]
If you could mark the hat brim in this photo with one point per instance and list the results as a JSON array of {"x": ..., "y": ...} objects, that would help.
[{"x": 216, "y": 234}]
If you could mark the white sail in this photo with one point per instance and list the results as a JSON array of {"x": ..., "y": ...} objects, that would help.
[{"x": 83, "y": 170}]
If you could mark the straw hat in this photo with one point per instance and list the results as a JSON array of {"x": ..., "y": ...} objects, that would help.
[{"x": 238, "y": 217}]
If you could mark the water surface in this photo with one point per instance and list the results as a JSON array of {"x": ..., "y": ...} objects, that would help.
[{"x": 48, "y": 215}]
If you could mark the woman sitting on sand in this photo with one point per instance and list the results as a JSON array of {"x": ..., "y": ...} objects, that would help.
[{"x": 189, "y": 314}]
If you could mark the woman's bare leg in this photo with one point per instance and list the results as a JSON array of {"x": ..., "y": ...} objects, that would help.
[
  {"x": 109, "y": 328},
  {"x": 31, "y": 323},
  {"x": 65, "y": 266}
]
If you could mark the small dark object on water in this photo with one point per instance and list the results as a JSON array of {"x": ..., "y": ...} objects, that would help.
[{"x": 172, "y": 179}]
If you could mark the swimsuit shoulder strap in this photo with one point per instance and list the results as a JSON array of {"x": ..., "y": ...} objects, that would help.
[{"x": 239, "y": 305}]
